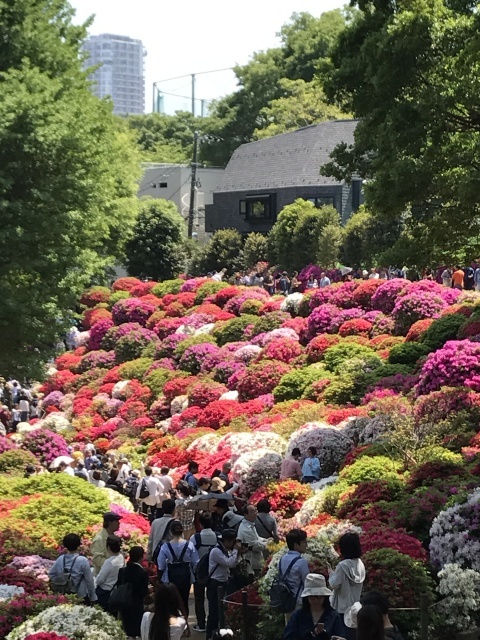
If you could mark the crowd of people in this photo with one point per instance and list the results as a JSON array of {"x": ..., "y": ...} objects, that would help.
[
  {"x": 206, "y": 539},
  {"x": 18, "y": 403}
]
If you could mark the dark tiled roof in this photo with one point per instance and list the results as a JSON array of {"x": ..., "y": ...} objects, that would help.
[{"x": 287, "y": 160}]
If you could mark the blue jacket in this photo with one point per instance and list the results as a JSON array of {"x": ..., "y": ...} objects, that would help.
[
  {"x": 311, "y": 468},
  {"x": 300, "y": 625}
]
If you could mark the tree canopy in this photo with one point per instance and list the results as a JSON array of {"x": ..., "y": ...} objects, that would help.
[
  {"x": 68, "y": 174},
  {"x": 409, "y": 71}
]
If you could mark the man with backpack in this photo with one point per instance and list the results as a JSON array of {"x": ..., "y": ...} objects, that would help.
[
  {"x": 160, "y": 530},
  {"x": 190, "y": 476},
  {"x": 71, "y": 573},
  {"x": 221, "y": 559},
  {"x": 204, "y": 542},
  {"x": 292, "y": 570},
  {"x": 148, "y": 490},
  {"x": 226, "y": 519}
]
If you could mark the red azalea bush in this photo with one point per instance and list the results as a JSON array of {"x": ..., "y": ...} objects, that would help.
[
  {"x": 317, "y": 347},
  {"x": 167, "y": 326},
  {"x": 427, "y": 473},
  {"x": 363, "y": 294},
  {"x": 126, "y": 284},
  {"x": 365, "y": 493},
  {"x": 221, "y": 297},
  {"x": 219, "y": 414},
  {"x": 95, "y": 295},
  {"x": 381, "y": 537},
  {"x": 92, "y": 316},
  {"x": 282, "y": 349},
  {"x": 131, "y": 410},
  {"x": 335, "y": 416},
  {"x": 68, "y": 361},
  {"x": 286, "y": 497},
  {"x": 172, "y": 457},
  {"x": 417, "y": 329},
  {"x": 260, "y": 379},
  {"x": 58, "y": 382},
  {"x": 203, "y": 393},
  {"x": 132, "y": 310},
  {"x": 142, "y": 289},
  {"x": 355, "y": 327},
  {"x": 178, "y": 387}
]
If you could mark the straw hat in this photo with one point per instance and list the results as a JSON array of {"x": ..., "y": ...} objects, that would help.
[
  {"x": 315, "y": 585},
  {"x": 218, "y": 485}
]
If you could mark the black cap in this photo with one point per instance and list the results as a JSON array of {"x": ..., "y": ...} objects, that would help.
[
  {"x": 222, "y": 504},
  {"x": 111, "y": 517}
]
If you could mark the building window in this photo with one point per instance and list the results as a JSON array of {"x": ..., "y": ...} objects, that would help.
[
  {"x": 356, "y": 194},
  {"x": 163, "y": 185},
  {"x": 259, "y": 207},
  {"x": 322, "y": 201}
]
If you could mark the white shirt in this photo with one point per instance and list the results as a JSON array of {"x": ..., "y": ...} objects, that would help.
[
  {"x": 108, "y": 575},
  {"x": 373, "y": 276},
  {"x": 154, "y": 487},
  {"x": 167, "y": 485},
  {"x": 218, "y": 277},
  {"x": 98, "y": 483},
  {"x": 70, "y": 471},
  {"x": 23, "y": 405},
  {"x": 177, "y": 626},
  {"x": 123, "y": 473},
  {"x": 247, "y": 533}
]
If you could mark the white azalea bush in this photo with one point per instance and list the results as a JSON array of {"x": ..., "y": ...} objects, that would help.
[
  {"x": 461, "y": 590},
  {"x": 311, "y": 508},
  {"x": 257, "y": 468},
  {"x": 455, "y": 535},
  {"x": 292, "y": 303},
  {"x": 55, "y": 421},
  {"x": 73, "y": 621},
  {"x": 331, "y": 443},
  {"x": 206, "y": 443},
  {"x": 8, "y": 591},
  {"x": 245, "y": 442}
]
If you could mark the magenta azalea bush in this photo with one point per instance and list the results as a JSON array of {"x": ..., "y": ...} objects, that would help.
[{"x": 456, "y": 364}]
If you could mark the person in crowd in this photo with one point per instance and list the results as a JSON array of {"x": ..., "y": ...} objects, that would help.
[
  {"x": 476, "y": 275},
  {"x": 348, "y": 577},
  {"x": 219, "y": 275},
  {"x": 203, "y": 541},
  {"x": 91, "y": 459},
  {"x": 227, "y": 519},
  {"x": 30, "y": 470},
  {"x": 315, "y": 618},
  {"x": 291, "y": 467},
  {"x": 167, "y": 486},
  {"x": 447, "y": 277},
  {"x": 378, "y": 599},
  {"x": 16, "y": 417},
  {"x": 295, "y": 284},
  {"x": 310, "y": 283},
  {"x": 222, "y": 559},
  {"x": 80, "y": 471},
  {"x": 218, "y": 485},
  {"x": 160, "y": 527},
  {"x": 176, "y": 562},
  {"x": 255, "y": 545},
  {"x": 311, "y": 467},
  {"x": 284, "y": 284},
  {"x": 370, "y": 624},
  {"x": 225, "y": 474},
  {"x": 324, "y": 280},
  {"x": 98, "y": 548},
  {"x": 64, "y": 467},
  {"x": 24, "y": 406},
  {"x": 258, "y": 280},
  {"x": 77, "y": 454},
  {"x": 458, "y": 278},
  {"x": 108, "y": 575},
  {"x": 427, "y": 275},
  {"x": 96, "y": 479},
  {"x": 190, "y": 475},
  {"x": 77, "y": 566},
  {"x": 167, "y": 621},
  {"x": 268, "y": 283},
  {"x": 133, "y": 573},
  {"x": 265, "y": 523},
  {"x": 153, "y": 485},
  {"x": 295, "y": 577},
  {"x": 123, "y": 473},
  {"x": 374, "y": 275},
  {"x": 131, "y": 486},
  {"x": 469, "y": 279},
  {"x": 183, "y": 510},
  {"x": 204, "y": 485}
]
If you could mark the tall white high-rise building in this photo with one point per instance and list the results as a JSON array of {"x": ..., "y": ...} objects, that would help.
[{"x": 121, "y": 71}]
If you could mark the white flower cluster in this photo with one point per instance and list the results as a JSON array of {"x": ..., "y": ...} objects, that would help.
[
  {"x": 206, "y": 443},
  {"x": 54, "y": 422},
  {"x": 245, "y": 442},
  {"x": 73, "y": 621},
  {"x": 454, "y": 534},
  {"x": 291, "y": 303},
  {"x": 178, "y": 404},
  {"x": 8, "y": 591},
  {"x": 461, "y": 588},
  {"x": 256, "y": 468}
]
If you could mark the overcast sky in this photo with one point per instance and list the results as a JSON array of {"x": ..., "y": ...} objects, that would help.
[{"x": 189, "y": 37}]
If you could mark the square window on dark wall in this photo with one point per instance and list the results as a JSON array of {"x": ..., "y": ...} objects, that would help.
[
  {"x": 322, "y": 201},
  {"x": 259, "y": 207}
]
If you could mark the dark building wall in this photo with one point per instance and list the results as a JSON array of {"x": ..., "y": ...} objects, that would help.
[{"x": 225, "y": 211}]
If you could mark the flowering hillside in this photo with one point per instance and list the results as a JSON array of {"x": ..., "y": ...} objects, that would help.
[{"x": 382, "y": 377}]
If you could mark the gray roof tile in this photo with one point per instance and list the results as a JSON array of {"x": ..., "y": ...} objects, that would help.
[{"x": 289, "y": 159}]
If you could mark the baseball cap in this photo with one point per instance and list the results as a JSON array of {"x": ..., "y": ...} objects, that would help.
[{"x": 111, "y": 517}]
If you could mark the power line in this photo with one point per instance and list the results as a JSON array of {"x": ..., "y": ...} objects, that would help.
[{"x": 199, "y": 73}]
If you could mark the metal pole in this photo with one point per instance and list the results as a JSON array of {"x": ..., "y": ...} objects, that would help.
[
  {"x": 202, "y": 112},
  {"x": 193, "y": 94},
  {"x": 245, "y": 633},
  {"x": 423, "y": 616},
  {"x": 154, "y": 100},
  {"x": 193, "y": 184},
  {"x": 221, "y": 607}
]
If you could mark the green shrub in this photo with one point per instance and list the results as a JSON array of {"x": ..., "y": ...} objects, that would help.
[
  {"x": 156, "y": 380},
  {"x": 367, "y": 468},
  {"x": 442, "y": 330},
  {"x": 332, "y": 494},
  {"x": 14, "y": 461},
  {"x": 131, "y": 346},
  {"x": 233, "y": 330},
  {"x": 269, "y": 322},
  {"x": 335, "y": 357},
  {"x": 408, "y": 353},
  {"x": 293, "y": 385},
  {"x": 190, "y": 342},
  {"x": 209, "y": 289},
  {"x": 116, "y": 296},
  {"x": 251, "y": 307},
  {"x": 136, "y": 369},
  {"x": 167, "y": 286}
]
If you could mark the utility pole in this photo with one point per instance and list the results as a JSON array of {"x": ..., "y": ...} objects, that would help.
[
  {"x": 193, "y": 185},
  {"x": 193, "y": 94}
]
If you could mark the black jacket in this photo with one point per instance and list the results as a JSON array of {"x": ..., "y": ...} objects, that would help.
[{"x": 392, "y": 633}]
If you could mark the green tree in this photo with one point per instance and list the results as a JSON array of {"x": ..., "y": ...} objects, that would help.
[
  {"x": 353, "y": 247},
  {"x": 254, "y": 249},
  {"x": 329, "y": 242},
  {"x": 302, "y": 103},
  {"x": 157, "y": 247},
  {"x": 223, "y": 250},
  {"x": 68, "y": 177},
  {"x": 409, "y": 71}
]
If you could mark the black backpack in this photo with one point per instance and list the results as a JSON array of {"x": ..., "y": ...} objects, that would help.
[
  {"x": 167, "y": 536},
  {"x": 281, "y": 598},
  {"x": 202, "y": 573},
  {"x": 178, "y": 569},
  {"x": 63, "y": 583},
  {"x": 144, "y": 492}
]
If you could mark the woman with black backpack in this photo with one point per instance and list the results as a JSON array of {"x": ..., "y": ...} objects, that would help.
[
  {"x": 176, "y": 562},
  {"x": 134, "y": 575}
]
